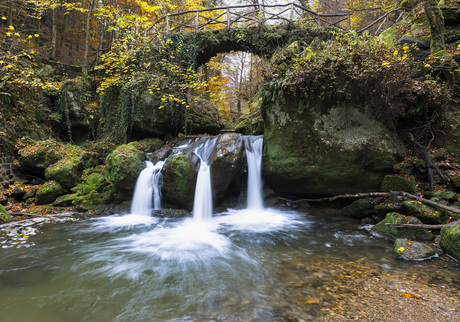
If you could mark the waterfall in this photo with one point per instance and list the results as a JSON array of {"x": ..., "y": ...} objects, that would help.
[
  {"x": 148, "y": 184},
  {"x": 253, "y": 146},
  {"x": 202, "y": 204}
]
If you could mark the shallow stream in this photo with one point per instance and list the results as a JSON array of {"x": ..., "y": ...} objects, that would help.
[{"x": 268, "y": 265}]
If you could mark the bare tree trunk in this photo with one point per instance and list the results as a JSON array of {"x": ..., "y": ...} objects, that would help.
[
  {"x": 10, "y": 13},
  {"x": 436, "y": 20},
  {"x": 53, "y": 33},
  {"x": 88, "y": 35}
]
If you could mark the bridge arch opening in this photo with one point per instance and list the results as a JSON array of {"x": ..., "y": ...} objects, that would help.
[{"x": 232, "y": 80}]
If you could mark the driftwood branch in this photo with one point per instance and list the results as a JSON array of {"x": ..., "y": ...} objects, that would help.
[
  {"x": 428, "y": 162},
  {"x": 418, "y": 226},
  {"x": 452, "y": 210}
]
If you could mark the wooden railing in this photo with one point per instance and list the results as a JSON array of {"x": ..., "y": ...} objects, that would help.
[{"x": 247, "y": 15}]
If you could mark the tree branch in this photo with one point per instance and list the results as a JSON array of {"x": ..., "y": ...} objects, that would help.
[{"x": 452, "y": 210}]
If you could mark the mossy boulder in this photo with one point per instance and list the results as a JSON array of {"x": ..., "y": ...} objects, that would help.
[
  {"x": 401, "y": 232},
  {"x": 455, "y": 181},
  {"x": 4, "y": 215},
  {"x": 426, "y": 214},
  {"x": 412, "y": 250},
  {"x": 360, "y": 208},
  {"x": 64, "y": 201},
  {"x": 95, "y": 191},
  {"x": 450, "y": 239},
  {"x": 227, "y": 163},
  {"x": 123, "y": 166},
  {"x": 179, "y": 180},
  {"x": 251, "y": 124},
  {"x": 148, "y": 145},
  {"x": 66, "y": 171},
  {"x": 391, "y": 204},
  {"x": 204, "y": 117},
  {"x": 48, "y": 193},
  {"x": 36, "y": 156},
  {"x": 440, "y": 195},
  {"x": 452, "y": 133},
  {"x": 399, "y": 183},
  {"x": 325, "y": 149}
]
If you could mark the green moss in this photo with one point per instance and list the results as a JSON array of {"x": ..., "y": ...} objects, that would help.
[
  {"x": 450, "y": 239},
  {"x": 401, "y": 232},
  {"x": 95, "y": 191},
  {"x": 181, "y": 171},
  {"x": 399, "y": 183},
  {"x": 48, "y": 193},
  {"x": 425, "y": 213},
  {"x": 124, "y": 165},
  {"x": 66, "y": 171},
  {"x": 4, "y": 215}
]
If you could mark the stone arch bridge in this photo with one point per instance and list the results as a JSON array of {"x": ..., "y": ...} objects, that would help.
[{"x": 255, "y": 28}]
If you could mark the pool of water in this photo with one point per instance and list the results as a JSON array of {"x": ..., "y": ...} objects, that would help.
[{"x": 238, "y": 266}]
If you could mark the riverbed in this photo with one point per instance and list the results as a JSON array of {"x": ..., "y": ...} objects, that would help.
[{"x": 269, "y": 265}]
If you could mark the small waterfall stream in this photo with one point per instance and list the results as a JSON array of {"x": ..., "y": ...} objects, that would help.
[
  {"x": 148, "y": 185},
  {"x": 253, "y": 146},
  {"x": 202, "y": 204}
]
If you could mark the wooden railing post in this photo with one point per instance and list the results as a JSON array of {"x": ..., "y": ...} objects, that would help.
[
  {"x": 291, "y": 18},
  {"x": 228, "y": 18},
  {"x": 349, "y": 21},
  {"x": 318, "y": 19},
  {"x": 167, "y": 23},
  {"x": 197, "y": 20}
]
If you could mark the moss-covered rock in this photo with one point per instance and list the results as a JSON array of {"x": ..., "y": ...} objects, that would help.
[
  {"x": 319, "y": 150},
  {"x": 399, "y": 183},
  {"x": 4, "y": 215},
  {"x": 401, "y": 232},
  {"x": 440, "y": 195},
  {"x": 95, "y": 191},
  {"x": 450, "y": 239},
  {"x": 426, "y": 214},
  {"x": 36, "y": 156},
  {"x": 179, "y": 180},
  {"x": 66, "y": 171},
  {"x": 251, "y": 124},
  {"x": 391, "y": 204},
  {"x": 48, "y": 193},
  {"x": 123, "y": 166},
  {"x": 148, "y": 145},
  {"x": 204, "y": 117},
  {"x": 412, "y": 250},
  {"x": 360, "y": 208},
  {"x": 64, "y": 201}
]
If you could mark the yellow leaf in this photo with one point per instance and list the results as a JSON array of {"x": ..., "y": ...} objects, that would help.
[
  {"x": 4, "y": 18},
  {"x": 30, "y": 36},
  {"x": 11, "y": 27},
  {"x": 36, "y": 35},
  {"x": 427, "y": 65},
  {"x": 395, "y": 53},
  {"x": 385, "y": 63},
  {"x": 8, "y": 34},
  {"x": 401, "y": 249}
]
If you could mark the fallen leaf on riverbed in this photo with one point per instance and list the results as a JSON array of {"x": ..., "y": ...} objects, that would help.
[{"x": 410, "y": 295}]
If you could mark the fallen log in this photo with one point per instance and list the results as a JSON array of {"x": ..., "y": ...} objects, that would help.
[
  {"x": 418, "y": 226},
  {"x": 18, "y": 214},
  {"x": 455, "y": 211}
]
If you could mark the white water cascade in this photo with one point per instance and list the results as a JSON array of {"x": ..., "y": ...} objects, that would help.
[
  {"x": 148, "y": 185},
  {"x": 202, "y": 204},
  {"x": 253, "y": 146}
]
